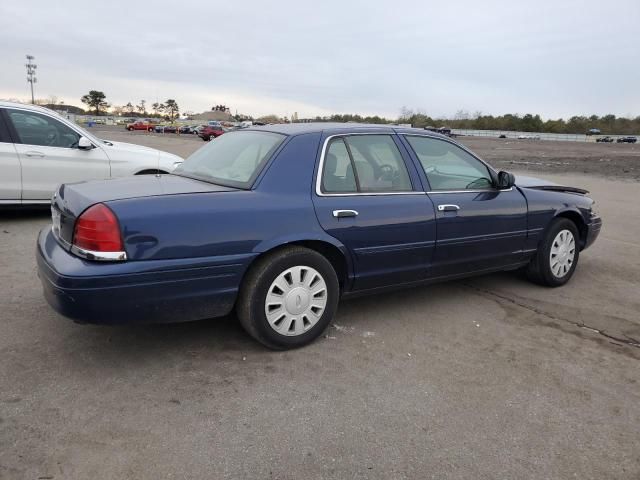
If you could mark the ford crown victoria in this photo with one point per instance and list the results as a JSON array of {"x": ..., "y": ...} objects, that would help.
[{"x": 279, "y": 222}]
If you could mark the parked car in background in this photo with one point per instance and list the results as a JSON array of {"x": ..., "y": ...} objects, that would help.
[
  {"x": 528, "y": 137},
  {"x": 502, "y": 136},
  {"x": 593, "y": 131},
  {"x": 280, "y": 222},
  {"x": 140, "y": 125},
  {"x": 166, "y": 129},
  {"x": 441, "y": 130},
  {"x": 207, "y": 132},
  {"x": 39, "y": 150},
  {"x": 604, "y": 140},
  {"x": 186, "y": 129},
  {"x": 627, "y": 140}
]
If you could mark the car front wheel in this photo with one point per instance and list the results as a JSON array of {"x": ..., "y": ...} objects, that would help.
[
  {"x": 557, "y": 255},
  {"x": 288, "y": 298}
]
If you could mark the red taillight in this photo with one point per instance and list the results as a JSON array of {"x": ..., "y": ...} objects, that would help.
[{"x": 97, "y": 230}]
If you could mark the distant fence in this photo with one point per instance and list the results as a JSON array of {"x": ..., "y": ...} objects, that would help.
[{"x": 559, "y": 137}]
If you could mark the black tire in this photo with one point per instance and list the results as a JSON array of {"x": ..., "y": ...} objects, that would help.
[
  {"x": 250, "y": 307},
  {"x": 539, "y": 269},
  {"x": 130, "y": 129},
  {"x": 152, "y": 172}
]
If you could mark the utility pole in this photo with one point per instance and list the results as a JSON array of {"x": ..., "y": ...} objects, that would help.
[{"x": 31, "y": 73}]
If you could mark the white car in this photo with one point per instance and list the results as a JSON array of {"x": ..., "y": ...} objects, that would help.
[
  {"x": 528, "y": 137},
  {"x": 39, "y": 150}
]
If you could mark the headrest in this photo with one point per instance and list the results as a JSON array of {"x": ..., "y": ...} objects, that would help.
[{"x": 331, "y": 163}]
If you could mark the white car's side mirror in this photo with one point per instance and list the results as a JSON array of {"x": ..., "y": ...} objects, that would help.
[{"x": 84, "y": 144}]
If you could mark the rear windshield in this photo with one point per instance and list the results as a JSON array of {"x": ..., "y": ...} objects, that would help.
[{"x": 234, "y": 159}]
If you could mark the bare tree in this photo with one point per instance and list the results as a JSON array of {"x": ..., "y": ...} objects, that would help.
[{"x": 142, "y": 107}]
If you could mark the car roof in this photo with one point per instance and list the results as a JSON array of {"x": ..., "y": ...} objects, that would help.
[
  {"x": 338, "y": 128},
  {"x": 28, "y": 106}
]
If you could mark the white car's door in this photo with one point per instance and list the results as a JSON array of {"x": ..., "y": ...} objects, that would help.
[
  {"x": 10, "y": 183},
  {"x": 49, "y": 155}
]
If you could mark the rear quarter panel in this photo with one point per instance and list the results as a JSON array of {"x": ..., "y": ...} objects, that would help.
[{"x": 277, "y": 211}]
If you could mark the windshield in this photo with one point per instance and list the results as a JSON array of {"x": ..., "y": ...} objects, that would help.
[{"x": 233, "y": 159}]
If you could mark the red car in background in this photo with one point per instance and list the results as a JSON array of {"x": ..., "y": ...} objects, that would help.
[
  {"x": 207, "y": 132},
  {"x": 140, "y": 125}
]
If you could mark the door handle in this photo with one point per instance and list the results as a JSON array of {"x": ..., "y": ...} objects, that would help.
[
  {"x": 344, "y": 213},
  {"x": 448, "y": 208},
  {"x": 32, "y": 153}
]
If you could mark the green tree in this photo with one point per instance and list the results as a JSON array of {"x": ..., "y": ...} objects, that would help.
[
  {"x": 96, "y": 100},
  {"x": 171, "y": 108}
]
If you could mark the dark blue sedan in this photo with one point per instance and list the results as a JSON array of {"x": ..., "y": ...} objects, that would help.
[{"x": 279, "y": 222}]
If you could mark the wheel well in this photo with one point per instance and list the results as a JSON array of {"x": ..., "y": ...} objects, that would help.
[
  {"x": 330, "y": 252},
  {"x": 152, "y": 172},
  {"x": 576, "y": 218}
]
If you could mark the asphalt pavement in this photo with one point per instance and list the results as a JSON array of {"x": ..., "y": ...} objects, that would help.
[{"x": 484, "y": 378}]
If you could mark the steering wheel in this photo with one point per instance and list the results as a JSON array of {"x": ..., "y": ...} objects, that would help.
[
  {"x": 52, "y": 137},
  {"x": 387, "y": 172},
  {"x": 478, "y": 182}
]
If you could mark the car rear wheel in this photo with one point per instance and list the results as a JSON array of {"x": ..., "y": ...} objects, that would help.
[
  {"x": 557, "y": 255},
  {"x": 288, "y": 298},
  {"x": 150, "y": 130}
]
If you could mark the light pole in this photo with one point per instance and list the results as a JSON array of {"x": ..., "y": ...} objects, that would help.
[{"x": 31, "y": 73}]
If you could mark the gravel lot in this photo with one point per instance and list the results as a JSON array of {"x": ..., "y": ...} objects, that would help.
[{"x": 485, "y": 378}]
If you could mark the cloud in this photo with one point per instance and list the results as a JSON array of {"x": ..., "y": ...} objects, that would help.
[{"x": 373, "y": 57}]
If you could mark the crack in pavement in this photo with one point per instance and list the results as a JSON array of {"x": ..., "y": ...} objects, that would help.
[{"x": 627, "y": 340}]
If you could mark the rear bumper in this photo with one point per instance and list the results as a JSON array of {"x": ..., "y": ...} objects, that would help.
[
  {"x": 593, "y": 230},
  {"x": 152, "y": 291}
]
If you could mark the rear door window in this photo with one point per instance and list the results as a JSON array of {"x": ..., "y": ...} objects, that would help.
[
  {"x": 364, "y": 164},
  {"x": 338, "y": 174}
]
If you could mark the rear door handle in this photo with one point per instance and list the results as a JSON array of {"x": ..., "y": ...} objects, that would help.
[
  {"x": 448, "y": 208},
  {"x": 33, "y": 153},
  {"x": 344, "y": 213}
]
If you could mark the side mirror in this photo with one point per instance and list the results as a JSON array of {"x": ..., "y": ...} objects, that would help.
[
  {"x": 84, "y": 144},
  {"x": 506, "y": 180}
]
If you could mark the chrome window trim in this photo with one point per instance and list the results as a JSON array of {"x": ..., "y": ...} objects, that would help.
[
  {"x": 319, "y": 191},
  {"x": 492, "y": 190}
]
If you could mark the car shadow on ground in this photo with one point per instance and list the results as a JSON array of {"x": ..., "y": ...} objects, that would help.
[
  {"x": 225, "y": 337},
  {"x": 26, "y": 213}
]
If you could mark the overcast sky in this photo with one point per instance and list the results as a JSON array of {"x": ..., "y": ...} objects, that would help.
[{"x": 556, "y": 58}]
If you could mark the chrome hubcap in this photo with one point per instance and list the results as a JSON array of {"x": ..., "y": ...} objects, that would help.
[
  {"x": 563, "y": 252},
  {"x": 296, "y": 300}
]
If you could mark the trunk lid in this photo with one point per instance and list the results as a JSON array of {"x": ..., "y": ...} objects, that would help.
[{"x": 71, "y": 199}]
